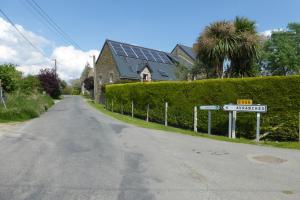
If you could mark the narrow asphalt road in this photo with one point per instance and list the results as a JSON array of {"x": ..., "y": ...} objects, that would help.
[{"x": 75, "y": 152}]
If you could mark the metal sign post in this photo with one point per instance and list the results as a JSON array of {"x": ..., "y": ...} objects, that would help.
[
  {"x": 233, "y": 135},
  {"x": 244, "y": 108},
  {"x": 257, "y": 127},
  {"x": 209, "y": 108},
  {"x": 229, "y": 124},
  {"x": 209, "y": 122}
]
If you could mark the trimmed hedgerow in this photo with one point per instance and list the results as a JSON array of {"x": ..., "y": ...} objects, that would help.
[{"x": 281, "y": 94}]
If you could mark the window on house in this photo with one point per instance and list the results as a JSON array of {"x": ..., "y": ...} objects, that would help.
[{"x": 111, "y": 76}]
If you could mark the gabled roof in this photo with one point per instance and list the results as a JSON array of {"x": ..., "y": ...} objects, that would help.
[
  {"x": 129, "y": 59},
  {"x": 188, "y": 50}
]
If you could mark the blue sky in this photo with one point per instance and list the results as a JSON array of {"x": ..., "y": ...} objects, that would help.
[{"x": 158, "y": 24}]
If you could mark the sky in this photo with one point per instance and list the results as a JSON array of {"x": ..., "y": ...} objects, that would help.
[{"x": 158, "y": 24}]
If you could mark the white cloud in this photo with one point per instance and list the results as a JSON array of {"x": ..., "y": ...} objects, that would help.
[
  {"x": 14, "y": 49},
  {"x": 6, "y": 53},
  {"x": 268, "y": 33},
  {"x": 71, "y": 61}
]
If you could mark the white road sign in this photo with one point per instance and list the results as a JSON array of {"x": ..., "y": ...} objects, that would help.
[
  {"x": 210, "y": 107},
  {"x": 246, "y": 108}
]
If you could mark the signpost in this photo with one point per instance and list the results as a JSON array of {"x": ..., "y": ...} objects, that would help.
[
  {"x": 245, "y": 108},
  {"x": 209, "y": 108},
  {"x": 258, "y": 109}
]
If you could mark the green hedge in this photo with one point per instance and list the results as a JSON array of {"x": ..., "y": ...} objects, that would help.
[{"x": 281, "y": 94}]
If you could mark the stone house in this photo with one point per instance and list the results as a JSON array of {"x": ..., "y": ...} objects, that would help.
[
  {"x": 121, "y": 62},
  {"x": 184, "y": 54}
]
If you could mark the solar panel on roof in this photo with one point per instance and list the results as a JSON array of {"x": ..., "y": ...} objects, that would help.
[
  {"x": 139, "y": 53},
  {"x": 156, "y": 56},
  {"x": 165, "y": 58},
  {"x": 148, "y": 55},
  {"x": 129, "y": 51},
  {"x": 118, "y": 49}
]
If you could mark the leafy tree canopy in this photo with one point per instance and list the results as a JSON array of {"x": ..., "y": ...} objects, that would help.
[
  {"x": 9, "y": 76},
  {"x": 50, "y": 82},
  {"x": 282, "y": 51}
]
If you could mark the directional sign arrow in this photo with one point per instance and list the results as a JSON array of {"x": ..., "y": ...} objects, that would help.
[
  {"x": 209, "y": 107},
  {"x": 245, "y": 108}
]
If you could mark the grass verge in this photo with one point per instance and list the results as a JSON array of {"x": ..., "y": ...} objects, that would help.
[
  {"x": 156, "y": 126},
  {"x": 21, "y": 107}
]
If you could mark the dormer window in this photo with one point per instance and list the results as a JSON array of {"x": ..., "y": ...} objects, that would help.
[{"x": 145, "y": 74}]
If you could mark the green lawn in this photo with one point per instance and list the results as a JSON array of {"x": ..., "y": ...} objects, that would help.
[{"x": 156, "y": 126}]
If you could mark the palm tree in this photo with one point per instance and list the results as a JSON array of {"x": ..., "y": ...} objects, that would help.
[
  {"x": 247, "y": 49},
  {"x": 236, "y": 41},
  {"x": 215, "y": 44}
]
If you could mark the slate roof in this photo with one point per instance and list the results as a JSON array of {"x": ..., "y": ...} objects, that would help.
[
  {"x": 188, "y": 50},
  {"x": 129, "y": 66}
]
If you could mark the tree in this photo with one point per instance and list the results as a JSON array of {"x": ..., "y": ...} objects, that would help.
[
  {"x": 76, "y": 86},
  {"x": 50, "y": 82},
  {"x": 215, "y": 44},
  {"x": 282, "y": 51},
  {"x": 200, "y": 70},
  {"x": 248, "y": 48},
  {"x": 89, "y": 83},
  {"x": 30, "y": 84},
  {"x": 235, "y": 41},
  {"x": 9, "y": 76},
  {"x": 85, "y": 73},
  {"x": 182, "y": 72}
]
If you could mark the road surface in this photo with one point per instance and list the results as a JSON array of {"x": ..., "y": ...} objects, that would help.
[{"x": 75, "y": 152}]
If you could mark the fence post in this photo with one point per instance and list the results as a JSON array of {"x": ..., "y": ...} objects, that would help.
[
  {"x": 1, "y": 95},
  {"x": 166, "y": 114},
  {"x": 229, "y": 124},
  {"x": 112, "y": 105},
  {"x": 147, "y": 118},
  {"x": 257, "y": 127},
  {"x": 299, "y": 126},
  {"x": 195, "y": 119},
  {"x": 131, "y": 108},
  {"x": 233, "y": 124}
]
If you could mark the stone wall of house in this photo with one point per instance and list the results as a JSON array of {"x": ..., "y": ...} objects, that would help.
[
  {"x": 106, "y": 72},
  {"x": 183, "y": 56}
]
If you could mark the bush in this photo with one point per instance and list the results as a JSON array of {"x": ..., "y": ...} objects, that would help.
[
  {"x": 281, "y": 94},
  {"x": 30, "y": 84},
  {"x": 22, "y": 106},
  {"x": 9, "y": 77},
  {"x": 50, "y": 82},
  {"x": 89, "y": 83}
]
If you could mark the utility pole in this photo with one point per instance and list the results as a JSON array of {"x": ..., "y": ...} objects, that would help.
[
  {"x": 95, "y": 79},
  {"x": 55, "y": 67}
]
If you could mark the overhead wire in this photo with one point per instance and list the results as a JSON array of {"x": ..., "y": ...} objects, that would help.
[
  {"x": 41, "y": 12},
  {"x": 20, "y": 33}
]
